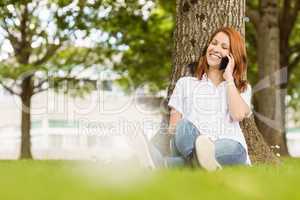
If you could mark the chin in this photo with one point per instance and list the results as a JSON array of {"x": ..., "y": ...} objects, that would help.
[{"x": 213, "y": 64}]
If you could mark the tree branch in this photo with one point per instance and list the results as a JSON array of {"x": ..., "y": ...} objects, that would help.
[
  {"x": 39, "y": 85},
  {"x": 40, "y": 90},
  {"x": 13, "y": 40},
  {"x": 58, "y": 80},
  {"x": 25, "y": 41},
  {"x": 50, "y": 52},
  {"x": 74, "y": 79},
  {"x": 10, "y": 90}
]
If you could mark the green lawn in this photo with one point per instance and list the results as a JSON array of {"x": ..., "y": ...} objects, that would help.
[{"x": 42, "y": 180}]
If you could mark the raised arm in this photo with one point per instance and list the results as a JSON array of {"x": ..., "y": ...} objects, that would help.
[{"x": 238, "y": 107}]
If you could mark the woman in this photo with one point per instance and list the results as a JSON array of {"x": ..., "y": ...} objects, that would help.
[{"x": 206, "y": 109}]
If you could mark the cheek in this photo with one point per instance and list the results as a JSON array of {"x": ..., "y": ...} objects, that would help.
[
  {"x": 207, "y": 58},
  {"x": 208, "y": 50},
  {"x": 206, "y": 55},
  {"x": 225, "y": 52}
]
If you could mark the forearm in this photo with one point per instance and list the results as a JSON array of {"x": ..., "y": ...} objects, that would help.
[
  {"x": 171, "y": 129},
  {"x": 175, "y": 116},
  {"x": 238, "y": 108}
]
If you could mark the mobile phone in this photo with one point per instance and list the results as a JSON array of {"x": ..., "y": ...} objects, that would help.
[{"x": 224, "y": 63}]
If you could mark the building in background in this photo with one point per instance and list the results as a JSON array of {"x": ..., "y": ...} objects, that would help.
[{"x": 66, "y": 127}]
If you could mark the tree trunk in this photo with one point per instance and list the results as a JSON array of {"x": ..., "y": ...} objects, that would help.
[
  {"x": 26, "y": 118},
  {"x": 269, "y": 98},
  {"x": 195, "y": 22}
]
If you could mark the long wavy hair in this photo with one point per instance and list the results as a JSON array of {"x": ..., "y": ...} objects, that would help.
[{"x": 237, "y": 49}]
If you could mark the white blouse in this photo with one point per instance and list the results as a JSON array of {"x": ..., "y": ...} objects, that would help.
[{"x": 205, "y": 105}]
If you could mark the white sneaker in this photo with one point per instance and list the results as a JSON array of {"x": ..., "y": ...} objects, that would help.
[
  {"x": 140, "y": 144},
  {"x": 205, "y": 152}
]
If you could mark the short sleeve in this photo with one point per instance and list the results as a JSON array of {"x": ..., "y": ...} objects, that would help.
[
  {"x": 176, "y": 99},
  {"x": 246, "y": 95}
]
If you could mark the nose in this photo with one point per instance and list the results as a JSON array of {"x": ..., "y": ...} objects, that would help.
[{"x": 217, "y": 49}]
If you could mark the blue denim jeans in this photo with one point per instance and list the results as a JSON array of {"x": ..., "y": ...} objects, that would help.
[{"x": 227, "y": 151}]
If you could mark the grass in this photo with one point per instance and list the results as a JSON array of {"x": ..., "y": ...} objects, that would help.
[{"x": 68, "y": 180}]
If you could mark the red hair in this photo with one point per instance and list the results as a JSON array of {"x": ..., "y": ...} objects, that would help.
[{"x": 237, "y": 49}]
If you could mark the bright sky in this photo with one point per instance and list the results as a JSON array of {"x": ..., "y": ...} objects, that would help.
[{"x": 44, "y": 14}]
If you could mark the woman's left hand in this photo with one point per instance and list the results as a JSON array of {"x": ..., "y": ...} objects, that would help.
[{"x": 228, "y": 73}]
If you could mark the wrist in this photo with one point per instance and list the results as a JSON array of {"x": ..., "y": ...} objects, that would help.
[
  {"x": 230, "y": 78},
  {"x": 230, "y": 82},
  {"x": 171, "y": 130}
]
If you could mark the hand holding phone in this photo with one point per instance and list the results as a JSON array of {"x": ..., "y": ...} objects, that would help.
[
  {"x": 224, "y": 63},
  {"x": 227, "y": 64}
]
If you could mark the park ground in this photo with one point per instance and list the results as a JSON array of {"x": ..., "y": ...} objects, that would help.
[{"x": 70, "y": 180}]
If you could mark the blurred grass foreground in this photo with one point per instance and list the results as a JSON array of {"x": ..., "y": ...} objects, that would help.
[{"x": 36, "y": 180}]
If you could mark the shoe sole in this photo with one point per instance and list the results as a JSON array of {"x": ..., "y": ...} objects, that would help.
[
  {"x": 205, "y": 152},
  {"x": 141, "y": 149}
]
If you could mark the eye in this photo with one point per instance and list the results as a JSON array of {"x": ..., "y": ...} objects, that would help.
[
  {"x": 225, "y": 47},
  {"x": 214, "y": 42}
]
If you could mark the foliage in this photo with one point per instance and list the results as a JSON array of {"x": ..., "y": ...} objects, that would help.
[
  {"x": 146, "y": 58},
  {"x": 41, "y": 41}
]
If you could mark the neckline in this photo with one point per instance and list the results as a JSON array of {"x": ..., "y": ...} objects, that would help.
[{"x": 211, "y": 83}]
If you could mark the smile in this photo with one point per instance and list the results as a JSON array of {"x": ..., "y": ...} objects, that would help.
[{"x": 215, "y": 55}]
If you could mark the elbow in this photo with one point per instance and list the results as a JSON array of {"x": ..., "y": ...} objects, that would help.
[{"x": 238, "y": 116}]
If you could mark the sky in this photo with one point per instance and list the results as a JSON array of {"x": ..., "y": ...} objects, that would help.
[{"x": 44, "y": 14}]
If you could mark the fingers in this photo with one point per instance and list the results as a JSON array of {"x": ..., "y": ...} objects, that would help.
[
  {"x": 230, "y": 56},
  {"x": 231, "y": 59}
]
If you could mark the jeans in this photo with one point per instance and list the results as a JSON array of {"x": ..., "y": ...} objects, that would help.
[{"x": 227, "y": 151}]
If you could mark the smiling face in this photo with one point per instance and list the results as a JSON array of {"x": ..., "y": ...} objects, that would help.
[{"x": 219, "y": 47}]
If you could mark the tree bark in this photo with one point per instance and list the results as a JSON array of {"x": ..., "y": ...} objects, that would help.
[
  {"x": 26, "y": 95},
  {"x": 195, "y": 22},
  {"x": 289, "y": 12},
  {"x": 269, "y": 98}
]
